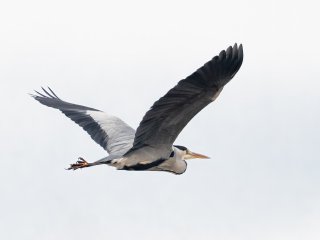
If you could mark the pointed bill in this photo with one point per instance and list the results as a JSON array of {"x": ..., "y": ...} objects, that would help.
[{"x": 192, "y": 155}]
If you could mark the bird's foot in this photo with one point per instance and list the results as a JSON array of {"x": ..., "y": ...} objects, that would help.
[{"x": 81, "y": 163}]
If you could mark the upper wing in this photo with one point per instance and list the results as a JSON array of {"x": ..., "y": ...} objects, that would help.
[
  {"x": 108, "y": 131},
  {"x": 170, "y": 114}
]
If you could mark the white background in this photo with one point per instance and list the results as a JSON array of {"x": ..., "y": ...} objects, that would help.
[{"x": 262, "y": 133}]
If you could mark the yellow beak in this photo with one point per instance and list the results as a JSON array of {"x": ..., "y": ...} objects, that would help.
[{"x": 192, "y": 155}]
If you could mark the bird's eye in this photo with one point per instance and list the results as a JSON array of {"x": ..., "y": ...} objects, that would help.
[{"x": 172, "y": 154}]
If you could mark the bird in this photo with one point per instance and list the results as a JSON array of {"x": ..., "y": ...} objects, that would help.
[{"x": 151, "y": 146}]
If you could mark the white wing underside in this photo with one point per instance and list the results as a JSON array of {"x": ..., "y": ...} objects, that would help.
[{"x": 120, "y": 135}]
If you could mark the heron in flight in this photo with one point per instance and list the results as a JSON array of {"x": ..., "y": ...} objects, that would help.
[{"x": 150, "y": 147}]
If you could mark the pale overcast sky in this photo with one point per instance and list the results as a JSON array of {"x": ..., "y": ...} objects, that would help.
[{"x": 262, "y": 133}]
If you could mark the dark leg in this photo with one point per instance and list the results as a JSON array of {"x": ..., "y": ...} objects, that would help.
[{"x": 81, "y": 163}]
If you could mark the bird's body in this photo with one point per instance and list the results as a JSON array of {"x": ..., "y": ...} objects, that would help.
[
  {"x": 151, "y": 147},
  {"x": 175, "y": 163}
]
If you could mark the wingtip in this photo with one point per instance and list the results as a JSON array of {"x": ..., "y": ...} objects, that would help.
[
  {"x": 241, "y": 52},
  {"x": 238, "y": 50},
  {"x": 55, "y": 95},
  {"x": 32, "y": 95},
  {"x": 240, "y": 47},
  {"x": 46, "y": 93}
]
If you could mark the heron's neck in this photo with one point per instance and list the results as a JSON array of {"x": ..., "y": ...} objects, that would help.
[
  {"x": 176, "y": 162},
  {"x": 178, "y": 154}
]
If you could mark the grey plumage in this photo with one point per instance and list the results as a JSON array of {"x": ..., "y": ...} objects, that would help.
[
  {"x": 151, "y": 146},
  {"x": 170, "y": 114},
  {"x": 110, "y": 132}
]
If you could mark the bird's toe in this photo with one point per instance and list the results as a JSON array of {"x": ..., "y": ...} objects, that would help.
[{"x": 81, "y": 163}]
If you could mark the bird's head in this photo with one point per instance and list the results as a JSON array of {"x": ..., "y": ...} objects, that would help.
[{"x": 186, "y": 154}]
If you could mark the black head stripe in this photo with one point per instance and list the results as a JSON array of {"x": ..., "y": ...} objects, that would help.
[{"x": 180, "y": 147}]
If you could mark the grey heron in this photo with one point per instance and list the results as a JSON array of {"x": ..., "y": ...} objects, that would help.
[{"x": 151, "y": 147}]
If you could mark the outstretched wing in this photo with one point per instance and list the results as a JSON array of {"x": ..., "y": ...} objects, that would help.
[
  {"x": 110, "y": 132},
  {"x": 170, "y": 114}
]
